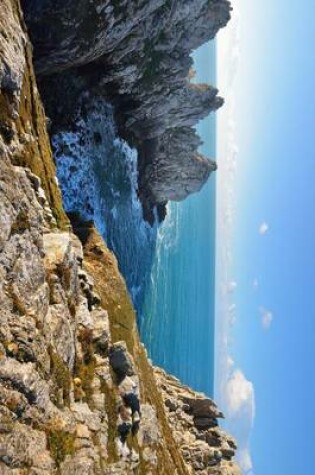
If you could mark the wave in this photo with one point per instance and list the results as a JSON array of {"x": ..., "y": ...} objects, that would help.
[{"x": 98, "y": 176}]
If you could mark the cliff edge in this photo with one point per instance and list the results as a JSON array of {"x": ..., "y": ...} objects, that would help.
[
  {"x": 78, "y": 394},
  {"x": 137, "y": 55}
]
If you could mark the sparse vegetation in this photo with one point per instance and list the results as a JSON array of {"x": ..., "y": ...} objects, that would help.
[
  {"x": 101, "y": 264},
  {"x": 60, "y": 444},
  {"x": 61, "y": 377},
  {"x": 85, "y": 368}
]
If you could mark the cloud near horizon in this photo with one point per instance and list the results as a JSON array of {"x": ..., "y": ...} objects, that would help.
[
  {"x": 266, "y": 318},
  {"x": 237, "y": 394},
  {"x": 240, "y": 406},
  {"x": 240, "y": 394}
]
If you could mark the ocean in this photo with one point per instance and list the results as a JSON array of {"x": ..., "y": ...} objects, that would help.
[{"x": 178, "y": 323}]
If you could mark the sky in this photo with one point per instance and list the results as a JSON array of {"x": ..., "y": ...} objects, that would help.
[{"x": 265, "y": 234}]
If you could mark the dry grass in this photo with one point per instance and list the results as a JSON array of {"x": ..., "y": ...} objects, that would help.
[
  {"x": 31, "y": 131},
  {"x": 101, "y": 264}
]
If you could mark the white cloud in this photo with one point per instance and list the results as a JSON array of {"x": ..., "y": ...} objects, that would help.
[
  {"x": 263, "y": 228},
  {"x": 232, "y": 285},
  {"x": 229, "y": 51},
  {"x": 236, "y": 394},
  {"x": 240, "y": 394},
  {"x": 240, "y": 408},
  {"x": 232, "y": 314},
  {"x": 255, "y": 284},
  {"x": 245, "y": 460},
  {"x": 230, "y": 362},
  {"x": 266, "y": 318}
]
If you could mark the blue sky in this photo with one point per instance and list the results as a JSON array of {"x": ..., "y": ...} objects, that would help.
[{"x": 266, "y": 233}]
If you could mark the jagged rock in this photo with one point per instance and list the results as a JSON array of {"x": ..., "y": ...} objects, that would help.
[
  {"x": 193, "y": 418},
  {"x": 149, "y": 432},
  {"x": 129, "y": 391},
  {"x": 124, "y": 423},
  {"x": 120, "y": 29},
  {"x": 204, "y": 423},
  {"x": 56, "y": 247},
  {"x": 138, "y": 56},
  {"x": 101, "y": 331},
  {"x": 202, "y": 408},
  {"x": 25, "y": 378},
  {"x": 59, "y": 334},
  {"x": 12, "y": 52},
  {"x": 175, "y": 179},
  {"x": 227, "y": 468},
  {"x": 120, "y": 360},
  {"x": 21, "y": 445}
]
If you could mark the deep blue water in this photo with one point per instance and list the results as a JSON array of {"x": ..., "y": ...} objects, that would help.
[{"x": 178, "y": 321}]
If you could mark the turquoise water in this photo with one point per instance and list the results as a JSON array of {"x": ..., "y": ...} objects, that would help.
[{"x": 178, "y": 321}]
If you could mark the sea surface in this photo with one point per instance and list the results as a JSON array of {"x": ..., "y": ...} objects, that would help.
[
  {"x": 178, "y": 322},
  {"x": 98, "y": 176}
]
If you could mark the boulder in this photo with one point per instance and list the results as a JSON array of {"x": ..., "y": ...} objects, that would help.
[{"x": 120, "y": 360}]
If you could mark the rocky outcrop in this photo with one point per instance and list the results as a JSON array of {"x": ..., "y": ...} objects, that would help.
[
  {"x": 137, "y": 55},
  {"x": 194, "y": 421},
  {"x": 76, "y": 33},
  {"x": 22, "y": 119},
  {"x": 177, "y": 178}
]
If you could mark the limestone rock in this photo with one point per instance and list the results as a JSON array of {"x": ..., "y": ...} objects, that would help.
[
  {"x": 138, "y": 55},
  {"x": 193, "y": 418},
  {"x": 12, "y": 46},
  {"x": 101, "y": 330},
  {"x": 175, "y": 179}
]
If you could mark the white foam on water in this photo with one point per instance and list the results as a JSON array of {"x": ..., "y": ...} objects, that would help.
[{"x": 98, "y": 175}]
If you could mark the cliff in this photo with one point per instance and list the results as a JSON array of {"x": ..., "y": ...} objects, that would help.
[
  {"x": 78, "y": 394},
  {"x": 138, "y": 56}
]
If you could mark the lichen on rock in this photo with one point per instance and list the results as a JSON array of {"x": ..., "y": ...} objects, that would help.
[{"x": 78, "y": 394}]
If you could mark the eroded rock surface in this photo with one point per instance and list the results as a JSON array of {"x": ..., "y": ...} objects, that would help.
[
  {"x": 77, "y": 392},
  {"x": 138, "y": 56},
  {"x": 206, "y": 448}
]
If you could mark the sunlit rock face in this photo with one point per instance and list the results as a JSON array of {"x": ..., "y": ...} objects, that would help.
[
  {"x": 78, "y": 394},
  {"x": 137, "y": 55},
  {"x": 72, "y": 33},
  {"x": 193, "y": 419}
]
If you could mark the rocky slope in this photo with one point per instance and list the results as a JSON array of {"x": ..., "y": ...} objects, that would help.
[
  {"x": 137, "y": 55},
  {"x": 194, "y": 422},
  {"x": 78, "y": 394}
]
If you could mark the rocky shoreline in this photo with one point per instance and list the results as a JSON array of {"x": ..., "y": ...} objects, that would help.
[
  {"x": 78, "y": 394},
  {"x": 138, "y": 56}
]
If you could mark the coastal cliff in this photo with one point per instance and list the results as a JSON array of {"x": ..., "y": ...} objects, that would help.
[
  {"x": 78, "y": 394},
  {"x": 137, "y": 55}
]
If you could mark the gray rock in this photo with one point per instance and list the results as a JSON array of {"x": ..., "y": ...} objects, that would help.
[
  {"x": 138, "y": 54},
  {"x": 12, "y": 46},
  {"x": 120, "y": 360},
  {"x": 149, "y": 431},
  {"x": 195, "y": 428}
]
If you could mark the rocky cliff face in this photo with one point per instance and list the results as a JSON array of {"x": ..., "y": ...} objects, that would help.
[
  {"x": 194, "y": 422},
  {"x": 137, "y": 54},
  {"x": 78, "y": 394}
]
